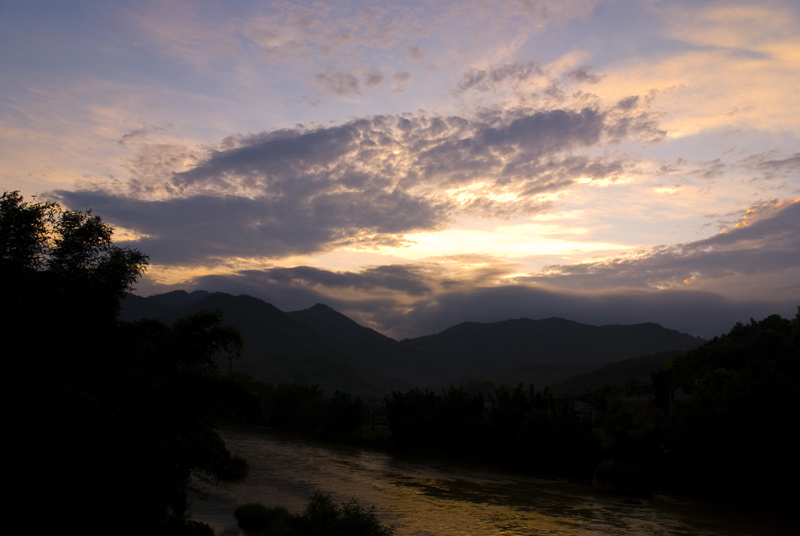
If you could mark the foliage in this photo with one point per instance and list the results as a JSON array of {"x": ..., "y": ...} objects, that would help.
[
  {"x": 519, "y": 428},
  {"x": 733, "y": 438},
  {"x": 111, "y": 419},
  {"x": 52, "y": 253},
  {"x": 293, "y": 407},
  {"x": 739, "y": 427},
  {"x": 257, "y": 517},
  {"x": 322, "y": 517}
]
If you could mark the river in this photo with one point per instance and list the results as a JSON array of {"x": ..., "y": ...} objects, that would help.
[{"x": 421, "y": 498}]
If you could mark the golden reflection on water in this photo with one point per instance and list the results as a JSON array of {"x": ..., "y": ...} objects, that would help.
[{"x": 420, "y": 498}]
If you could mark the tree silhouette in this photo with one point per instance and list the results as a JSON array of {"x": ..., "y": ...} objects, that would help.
[{"x": 110, "y": 420}]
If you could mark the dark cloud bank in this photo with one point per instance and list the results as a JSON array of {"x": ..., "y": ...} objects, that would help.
[
  {"x": 367, "y": 182},
  {"x": 370, "y": 181}
]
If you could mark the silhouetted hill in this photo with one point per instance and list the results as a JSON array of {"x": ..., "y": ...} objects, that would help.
[
  {"x": 321, "y": 345},
  {"x": 636, "y": 368},
  {"x": 178, "y": 299},
  {"x": 344, "y": 332},
  {"x": 280, "y": 348},
  {"x": 135, "y": 308},
  {"x": 482, "y": 349},
  {"x": 159, "y": 306},
  {"x": 262, "y": 325}
]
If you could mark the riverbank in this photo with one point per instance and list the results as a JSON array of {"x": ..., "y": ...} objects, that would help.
[{"x": 420, "y": 496}]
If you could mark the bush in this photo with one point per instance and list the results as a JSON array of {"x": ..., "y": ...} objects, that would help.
[
  {"x": 322, "y": 517},
  {"x": 258, "y": 517}
]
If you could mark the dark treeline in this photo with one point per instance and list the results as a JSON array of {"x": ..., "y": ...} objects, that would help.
[
  {"x": 735, "y": 435},
  {"x": 518, "y": 429},
  {"x": 303, "y": 409},
  {"x": 108, "y": 420}
]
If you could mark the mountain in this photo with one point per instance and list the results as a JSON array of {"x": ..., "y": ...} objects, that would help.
[
  {"x": 321, "y": 345},
  {"x": 476, "y": 349},
  {"x": 263, "y": 326},
  {"x": 159, "y": 306},
  {"x": 340, "y": 330},
  {"x": 135, "y": 308},
  {"x": 178, "y": 299},
  {"x": 283, "y": 347},
  {"x": 636, "y": 368}
]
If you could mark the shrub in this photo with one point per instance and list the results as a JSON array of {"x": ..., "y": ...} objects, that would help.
[
  {"x": 258, "y": 517},
  {"x": 322, "y": 517}
]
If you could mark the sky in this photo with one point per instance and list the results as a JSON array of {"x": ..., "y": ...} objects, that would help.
[{"x": 418, "y": 164}]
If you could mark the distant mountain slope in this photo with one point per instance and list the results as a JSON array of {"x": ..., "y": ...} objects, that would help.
[
  {"x": 318, "y": 345},
  {"x": 135, "y": 308},
  {"x": 344, "y": 332},
  {"x": 178, "y": 299},
  {"x": 159, "y": 306},
  {"x": 637, "y": 368},
  {"x": 480, "y": 349},
  {"x": 264, "y": 327},
  {"x": 322, "y": 345}
]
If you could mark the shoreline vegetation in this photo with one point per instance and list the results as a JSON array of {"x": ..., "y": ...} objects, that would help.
[
  {"x": 130, "y": 410},
  {"x": 715, "y": 423}
]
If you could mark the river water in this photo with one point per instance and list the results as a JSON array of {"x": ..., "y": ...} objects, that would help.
[{"x": 420, "y": 498}]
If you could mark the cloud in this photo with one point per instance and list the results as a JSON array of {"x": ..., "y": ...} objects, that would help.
[
  {"x": 486, "y": 80},
  {"x": 524, "y": 149},
  {"x": 365, "y": 183},
  {"x": 772, "y": 165},
  {"x": 373, "y": 77},
  {"x": 307, "y": 35},
  {"x": 415, "y": 53},
  {"x": 180, "y": 29},
  {"x": 554, "y": 10},
  {"x": 702, "y": 314},
  {"x": 685, "y": 287},
  {"x": 584, "y": 74},
  {"x": 407, "y": 279},
  {"x": 756, "y": 257},
  {"x": 344, "y": 84},
  {"x": 516, "y": 150},
  {"x": 399, "y": 80},
  {"x": 731, "y": 67},
  {"x": 339, "y": 83},
  {"x": 137, "y": 134},
  {"x": 210, "y": 229}
]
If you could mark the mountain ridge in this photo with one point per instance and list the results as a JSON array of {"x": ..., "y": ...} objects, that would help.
[{"x": 285, "y": 346}]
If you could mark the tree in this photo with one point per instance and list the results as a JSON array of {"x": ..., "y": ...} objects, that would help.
[
  {"x": 110, "y": 420},
  {"x": 739, "y": 423},
  {"x": 64, "y": 278}
]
